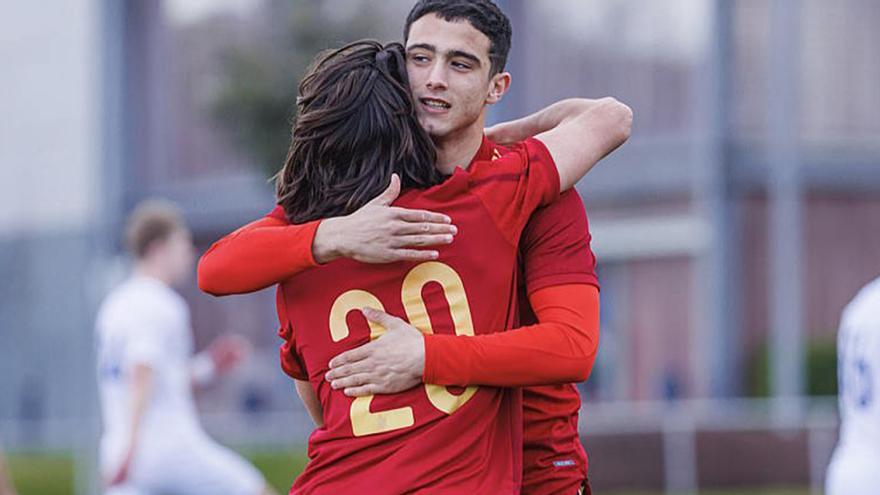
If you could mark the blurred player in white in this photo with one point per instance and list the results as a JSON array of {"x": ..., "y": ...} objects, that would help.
[
  {"x": 152, "y": 441},
  {"x": 855, "y": 466}
]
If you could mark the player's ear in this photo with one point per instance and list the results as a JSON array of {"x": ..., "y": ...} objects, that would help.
[{"x": 498, "y": 86}]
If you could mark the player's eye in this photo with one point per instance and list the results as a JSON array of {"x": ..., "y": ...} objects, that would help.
[
  {"x": 419, "y": 59},
  {"x": 461, "y": 66}
]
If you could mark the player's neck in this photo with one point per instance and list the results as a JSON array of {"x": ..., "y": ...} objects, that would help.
[
  {"x": 457, "y": 150},
  {"x": 152, "y": 271}
]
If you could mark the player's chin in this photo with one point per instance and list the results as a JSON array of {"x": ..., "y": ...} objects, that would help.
[
  {"x": 427, "y": 123},
  {"x": 436, "y": 128}
]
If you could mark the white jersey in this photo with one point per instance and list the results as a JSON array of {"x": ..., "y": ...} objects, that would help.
[
  {"x": 144, "y": 321},
  {"x": 855, "y": 467}
]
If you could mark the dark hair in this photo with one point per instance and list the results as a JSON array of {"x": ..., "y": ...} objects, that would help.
[
  {"x": 483, "y": 15},
  {"x": 356, "y": 126},
  {"x": 151, "y": 221}
]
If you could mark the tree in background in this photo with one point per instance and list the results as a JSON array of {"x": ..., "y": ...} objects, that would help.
[
  {"x": 821, "y": 369},
  {"x": 255, "y": 103}
]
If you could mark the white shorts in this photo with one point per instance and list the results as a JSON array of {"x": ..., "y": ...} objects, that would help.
[
  {"x": 192, "y": 467},
  {"x": 853, "y": 474}
]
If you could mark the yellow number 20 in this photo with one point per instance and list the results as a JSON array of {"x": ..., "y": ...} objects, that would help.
[{"x": 365, "y": 422}]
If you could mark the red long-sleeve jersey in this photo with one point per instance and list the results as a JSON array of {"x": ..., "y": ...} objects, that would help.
[{"x": 558, "y": 287}]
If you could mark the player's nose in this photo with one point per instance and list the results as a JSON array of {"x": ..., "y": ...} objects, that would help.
[
  {"x": 436, "y": 85},
  {"x": 436, "y": 78}
]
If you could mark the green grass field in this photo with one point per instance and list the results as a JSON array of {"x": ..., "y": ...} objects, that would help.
[
  {"x": 42, "y": 473},
  {"x": 53, "y": 474}
]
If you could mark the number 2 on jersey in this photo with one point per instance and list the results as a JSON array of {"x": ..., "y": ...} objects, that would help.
[{"x": 363, "y": 421}]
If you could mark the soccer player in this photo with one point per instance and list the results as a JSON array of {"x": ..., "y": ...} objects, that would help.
[
  {"x": 855, "y": 465},
  {"x": 557, "y": 266},
  {"x": 355, "y": 112},
  {"x": 152, "y": 441},
  {"x": 340, "y": 149}
]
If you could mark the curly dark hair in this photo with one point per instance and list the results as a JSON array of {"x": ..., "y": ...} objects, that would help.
[{"x": 356, "y": 127}]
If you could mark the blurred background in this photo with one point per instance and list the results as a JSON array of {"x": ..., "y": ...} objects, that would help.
[{"x": 731, "y": 230}]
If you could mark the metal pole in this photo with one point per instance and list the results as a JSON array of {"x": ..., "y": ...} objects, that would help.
[
  {"x": 716, "y": 344},
  {"x": 680, "y": 463},
  {"x": 111, "y": 140},
  {"x": 786, "y": 213}
]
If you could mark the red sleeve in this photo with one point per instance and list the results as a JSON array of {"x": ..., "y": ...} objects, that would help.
[
  {"x": 513, "y": 186},
  {"x": 561, "y": 348},
  {"x": 256, "y": 256},
  {"x": 555, "y": 245}
]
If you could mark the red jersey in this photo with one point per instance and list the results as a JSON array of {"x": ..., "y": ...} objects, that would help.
[
  {"x": 429, "y": 439},
  {"x": 554, "y": 250}
]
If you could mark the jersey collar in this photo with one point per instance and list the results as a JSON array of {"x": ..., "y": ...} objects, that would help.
[{"x": 486, "y": 152}]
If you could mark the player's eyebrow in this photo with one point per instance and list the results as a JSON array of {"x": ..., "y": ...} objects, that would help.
[
  {"x": 466, "y": 55},
  {"x": 450, "y": 54},
  {"x": 422, "y": 46}
]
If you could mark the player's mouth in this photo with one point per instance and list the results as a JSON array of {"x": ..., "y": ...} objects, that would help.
[{"x": 434, "y": 105}]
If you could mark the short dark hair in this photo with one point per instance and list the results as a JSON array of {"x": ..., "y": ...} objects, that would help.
[
  {"x": 357, "y": 126},
  {"x": 483, "y": 15},
  {"x": 151, "y": 221}
]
